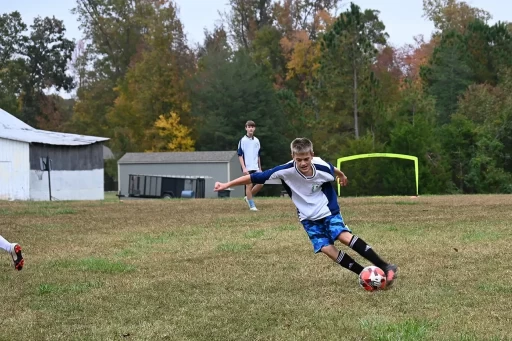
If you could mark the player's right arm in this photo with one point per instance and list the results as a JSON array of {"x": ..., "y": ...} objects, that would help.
[
  {"x": 240, "y": 153},
  {"x": 255, "y": 178},
  {"x": 273, "y": 173},
  {"x": 243, "y": 180},
  {"x": 242, "y": 163}
]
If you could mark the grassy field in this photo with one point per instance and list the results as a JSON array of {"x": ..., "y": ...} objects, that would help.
[{"x": 213, "y": 270}]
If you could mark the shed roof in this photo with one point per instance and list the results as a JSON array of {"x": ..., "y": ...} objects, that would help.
[
  {"x": 177, "y": 157},
  {"x": 12, "y": 128},
  {"x": 8, "y": 121}
]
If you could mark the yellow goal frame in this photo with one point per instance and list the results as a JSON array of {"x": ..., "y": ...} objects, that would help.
[{"x": 364, "y": 156}]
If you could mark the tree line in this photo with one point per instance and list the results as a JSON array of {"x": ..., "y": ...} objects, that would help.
[{"x": 316, "y": 68}]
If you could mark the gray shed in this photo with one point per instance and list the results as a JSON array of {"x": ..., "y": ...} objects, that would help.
[{"x": 214, "y": 166}]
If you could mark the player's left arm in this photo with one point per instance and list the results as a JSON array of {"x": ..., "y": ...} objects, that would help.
[
  {"x": 259, "y": 157},
  {"x": 341, "y": 178},
  {"x": 328, "y": 167}
]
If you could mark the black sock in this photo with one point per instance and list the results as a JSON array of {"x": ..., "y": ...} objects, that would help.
[
  {"x": 365, "y": 250},
  {"x": 349, "y": 263}
]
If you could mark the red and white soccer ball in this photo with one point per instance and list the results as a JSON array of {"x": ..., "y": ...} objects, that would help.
[{"x": 372, "y": 278}]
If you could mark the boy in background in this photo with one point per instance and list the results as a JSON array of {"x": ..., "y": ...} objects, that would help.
[{"x": 249, "y": 157}]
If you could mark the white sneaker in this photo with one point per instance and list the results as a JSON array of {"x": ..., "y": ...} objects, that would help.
[
  {"x": 253, "y": 208},
  {"x": 247, "y": 201}
]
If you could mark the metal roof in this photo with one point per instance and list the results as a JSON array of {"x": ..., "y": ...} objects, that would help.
[
  {"x": 12, "y": 128},
  {"x": 7, "y": 121},
  {"x": 177, "y": 157}
]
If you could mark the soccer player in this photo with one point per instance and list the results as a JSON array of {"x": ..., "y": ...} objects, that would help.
[
  {"x": 14, "y": 250},
  {"x": 307, "y": 179},
  {"x": 249, "y": 157}
]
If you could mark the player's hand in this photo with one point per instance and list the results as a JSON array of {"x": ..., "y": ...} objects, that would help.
[
  {"x": 245, "y": 171},
  {"x": 219, "y": 186},
  {"x": 342, "y": 180}
]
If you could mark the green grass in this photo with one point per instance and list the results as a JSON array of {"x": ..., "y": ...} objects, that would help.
[
  {"x": 406, "y": 330},
  {"x": 255, "y": 234},
  {"x": 74, "y": 288},
  {"x": 92, "y": 264},
  {"x": 212, "y": 270}
]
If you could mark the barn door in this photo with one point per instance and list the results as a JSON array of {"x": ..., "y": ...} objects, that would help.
[{"x": 5, "y": 180}]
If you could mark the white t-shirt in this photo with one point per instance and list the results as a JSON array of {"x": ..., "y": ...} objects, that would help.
[
  {"x": 314, "y": 196},
  {"x": 249, "y": 148}
]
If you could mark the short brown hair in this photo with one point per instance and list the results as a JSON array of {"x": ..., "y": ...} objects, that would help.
[
  {"x": 301, "y": 145},
  {"x": 250, "y": 124}
]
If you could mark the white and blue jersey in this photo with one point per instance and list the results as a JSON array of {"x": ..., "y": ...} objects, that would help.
[
  {"x": 249, "y": 148},
  {"x": 314, "y": 196}
]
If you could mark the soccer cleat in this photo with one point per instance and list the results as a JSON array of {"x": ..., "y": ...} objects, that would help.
[
  {"x": 17, "y": 257},
  {"x": 253, "y": 208},
  {"x": 247, "y": 201},
  {"x": 390, "y": 272}
]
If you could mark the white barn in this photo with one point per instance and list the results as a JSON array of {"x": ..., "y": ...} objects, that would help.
[{"x": 76, "y": 171}]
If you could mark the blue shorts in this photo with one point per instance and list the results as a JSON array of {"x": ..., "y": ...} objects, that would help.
[{"x": 323, "y": 232}]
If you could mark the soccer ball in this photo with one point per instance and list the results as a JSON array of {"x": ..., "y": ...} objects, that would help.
[{"x": 372, "y": 278}]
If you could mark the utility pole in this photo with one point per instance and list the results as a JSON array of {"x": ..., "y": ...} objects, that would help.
[{"x": 49, "y": 177}]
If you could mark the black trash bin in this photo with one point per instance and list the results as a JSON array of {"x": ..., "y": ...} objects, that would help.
[{"x": 226, "y": 193}]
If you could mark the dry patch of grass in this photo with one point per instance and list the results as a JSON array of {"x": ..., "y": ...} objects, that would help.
[{"x": 212, "y": 270}]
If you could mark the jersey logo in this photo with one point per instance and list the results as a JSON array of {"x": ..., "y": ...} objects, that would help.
[{"x": 315, "y": 188}]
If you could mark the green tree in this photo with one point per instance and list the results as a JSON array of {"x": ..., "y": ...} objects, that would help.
[
  {"x": 215, "y": 42},
  {"x": 32, "y": 64},
  {"x": 485, "y": 171},
  {"x": 94, "y": 99},
  {"x": 227, "y": 93},
  {"x": 349, "y": 48},
  {"x": 448, "y": 75},
  {"x": 12, "y": 69},
  {"x": 47, "y": 54},
  {"x": 113, "y": 30},
  {"x": 459, "y": 139},
  {"x": 365, "y": 175},
  {"x": 12, "y": 28},
  {"x": 489, "y": 48},
  {"x": 245, "y": 18},
  {"x": 267, "y": 52},
  {"x": 489, "y": 108},
  {"x": 154, "y": 85},
  {"x": 420, "y": 140}
]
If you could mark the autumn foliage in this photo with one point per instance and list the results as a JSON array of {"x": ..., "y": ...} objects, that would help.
[{"x": 324, "y": 69}]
